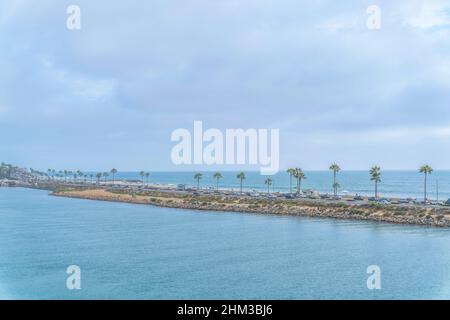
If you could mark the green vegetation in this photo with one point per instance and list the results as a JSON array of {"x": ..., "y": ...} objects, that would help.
[
  {"x": 426, "y": 170},
  {"x": 291, "y": 172},
  {"x": 375, "y": 176},
  {"x": 113, "y": 172},
  {"x": 142, "y": 174},
  {"x": 268, "y": 182},
  {"x": 7, "y": 171},
  {"x": 217, "y": 176},
  {"x": 299, "y": 175},
  {"x": 241, "y": 177},
  {"x": 198, "y": 177},
  {"x": 335, "y": 168},
  {"x": 98, "y": 176}
]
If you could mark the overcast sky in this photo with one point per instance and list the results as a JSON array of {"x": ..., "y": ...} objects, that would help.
[{"x": 110, "y": 94}]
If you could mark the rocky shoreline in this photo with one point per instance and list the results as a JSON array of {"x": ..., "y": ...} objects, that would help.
[{"x": 438, "y": 217}]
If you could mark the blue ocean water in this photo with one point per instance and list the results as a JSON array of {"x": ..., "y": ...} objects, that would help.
[
  {"x": 394, "y": 183},
  {"x": 128, "y": 251}
]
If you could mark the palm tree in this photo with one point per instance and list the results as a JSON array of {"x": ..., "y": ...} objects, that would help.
[
  {"x": 91, "y": 176},
  {"x": 79, "y": 173},
  {"x": 299, "y": 175},
  {"x": 113, "y": 172},
  {"x": 147, "y": 174},
  {"x": 291, "y": 172},
  {"x": 375, "y": 176},
  {"x": 65, "y": 175},
  {"x": 335, "y": 168},
  {"x": 142, "y": 174},
  {"x": 105, "y": 175},
  {"x": 197, "y": 177},
  {"x": 98, "y": 176},
  {"x": 426, "y": 170},
  {"x": 217, "y": 176},
  {"x": 268, "y": 182},
  {"x": 336, "y": 187},
  {"x": 241, "y": 177}
]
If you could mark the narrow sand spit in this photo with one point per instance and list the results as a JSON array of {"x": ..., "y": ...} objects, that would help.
[{"x": 371, "y": 212}]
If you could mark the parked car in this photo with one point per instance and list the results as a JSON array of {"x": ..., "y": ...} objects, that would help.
[{"x": 420, "y": 201}]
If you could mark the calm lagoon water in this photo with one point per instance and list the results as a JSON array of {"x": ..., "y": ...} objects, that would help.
[{"x": 130, "y": 251}]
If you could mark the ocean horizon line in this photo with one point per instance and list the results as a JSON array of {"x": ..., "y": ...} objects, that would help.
[{"x": 247, "y": 171}]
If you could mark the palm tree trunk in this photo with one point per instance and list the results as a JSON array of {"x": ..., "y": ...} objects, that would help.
[
  {"x": 425, "y": 190},
  {"x": 334, "y": 183},
  {"x": 299, "y": 185},
  {"x": 376, "y": 190},
  {"x": 217, "y": 184},
  {"x": 241, "y": 186},
  {"x": 290, "y": 183}
]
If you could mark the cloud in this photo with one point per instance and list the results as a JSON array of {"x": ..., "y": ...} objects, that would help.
[
  {"x": 388, "y": 135},
  {"x": 427, "y": 14},
  {"x": 312, "y": 69}
]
